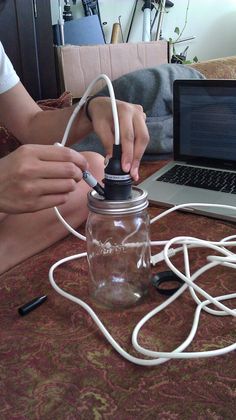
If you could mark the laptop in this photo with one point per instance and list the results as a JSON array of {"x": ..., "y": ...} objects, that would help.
[{"x": 203, "y": 169}]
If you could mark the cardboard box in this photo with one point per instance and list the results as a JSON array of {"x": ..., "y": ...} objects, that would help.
[{"x": 79, "y": 65}]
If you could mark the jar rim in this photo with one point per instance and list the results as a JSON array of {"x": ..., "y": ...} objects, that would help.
[{"x": 137, "y": 202}]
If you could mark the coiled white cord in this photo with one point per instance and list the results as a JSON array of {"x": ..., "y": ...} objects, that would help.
[{"x": 227, "y": 258}]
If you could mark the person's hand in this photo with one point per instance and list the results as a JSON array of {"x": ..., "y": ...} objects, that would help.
[
  {"x": 36, "y": 177},
  {"x": 133, "y": 130}
]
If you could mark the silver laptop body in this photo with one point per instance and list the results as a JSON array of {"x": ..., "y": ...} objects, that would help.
[{"x": 204, "y": 147}]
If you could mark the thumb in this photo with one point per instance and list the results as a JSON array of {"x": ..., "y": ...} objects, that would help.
[{"x": 107, "y": 138}]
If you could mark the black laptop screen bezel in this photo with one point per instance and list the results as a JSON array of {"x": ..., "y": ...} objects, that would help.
[{"x": 196, "y": 83}]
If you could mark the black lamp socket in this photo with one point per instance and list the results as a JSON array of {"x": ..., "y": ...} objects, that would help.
[{"x": 117, "y": 183}]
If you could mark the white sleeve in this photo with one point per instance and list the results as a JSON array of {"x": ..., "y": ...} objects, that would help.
[{"x": 8, "y": 76}]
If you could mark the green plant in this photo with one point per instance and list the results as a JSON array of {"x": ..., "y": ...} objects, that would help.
[{"x": 179, "y": 57}]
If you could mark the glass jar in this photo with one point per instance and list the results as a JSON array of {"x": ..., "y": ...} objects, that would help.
[{"x": 118, "y": 248}]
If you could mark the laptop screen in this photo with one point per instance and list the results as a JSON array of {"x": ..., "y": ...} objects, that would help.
[{"x": 205, "y": 121}]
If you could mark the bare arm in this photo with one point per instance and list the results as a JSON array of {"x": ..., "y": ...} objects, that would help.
[
  {"x": 38, "y": 176},
  {"x": 25, "y": 119}
]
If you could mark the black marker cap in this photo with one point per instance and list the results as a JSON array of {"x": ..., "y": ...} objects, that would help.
[{"x": 30, "y": 306}]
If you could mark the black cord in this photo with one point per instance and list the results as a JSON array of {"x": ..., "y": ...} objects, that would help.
[{"x": 132, "y": 19}]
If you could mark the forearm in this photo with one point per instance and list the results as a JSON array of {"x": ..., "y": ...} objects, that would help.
[
  {"x": 25, "y": 119},
  {"x": 47, "y": 127}
]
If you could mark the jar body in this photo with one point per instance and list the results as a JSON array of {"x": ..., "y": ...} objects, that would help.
[{"x": 118, "y": 248}]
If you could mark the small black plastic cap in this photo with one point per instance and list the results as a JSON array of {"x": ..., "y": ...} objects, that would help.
[{"x": 30, "y": 306}]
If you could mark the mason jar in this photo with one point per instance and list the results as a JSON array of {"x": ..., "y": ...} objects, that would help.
[{"x": 118, "y": 249}]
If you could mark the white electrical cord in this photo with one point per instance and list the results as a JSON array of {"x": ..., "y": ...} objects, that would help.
[
  {"x": 68, "y": 127},
  {"x": 82, "y": 102},
  {"x": 227, "y": 258}
]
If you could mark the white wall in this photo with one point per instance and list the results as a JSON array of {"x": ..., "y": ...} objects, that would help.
[{"x": 212, "y": 22}]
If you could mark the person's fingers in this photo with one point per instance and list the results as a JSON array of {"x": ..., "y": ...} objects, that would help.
[
  {"x": 45, "y": 193},
  {"x": 141, "y": 141},
  {"x": 134, "y": 138},
  {"x": 35, "y": 193},
  {"x": 127, "y": 140},
  {"x": 105, "y": 132},
  {"x": 54, "y": 186},
  {"x": 134, "y": 135},
  {"x": 57, "y": 170},
  {"x": 54, "y": 153},
  {"x": 47, "y": 201}
]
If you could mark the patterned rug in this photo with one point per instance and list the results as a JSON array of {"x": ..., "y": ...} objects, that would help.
[{"x": 55, "y": 363}]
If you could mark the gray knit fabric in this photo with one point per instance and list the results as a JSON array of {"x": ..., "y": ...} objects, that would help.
[{"x": 153, "y": 89}]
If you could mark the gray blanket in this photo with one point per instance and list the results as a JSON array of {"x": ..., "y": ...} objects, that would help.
[{"x": 153, "y": 89}]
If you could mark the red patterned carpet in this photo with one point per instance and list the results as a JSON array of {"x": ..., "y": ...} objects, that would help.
[{"x": 55, "y": 364}]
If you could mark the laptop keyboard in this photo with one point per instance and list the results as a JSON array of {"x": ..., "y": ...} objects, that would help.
[{"x": 201, "y": 178}]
